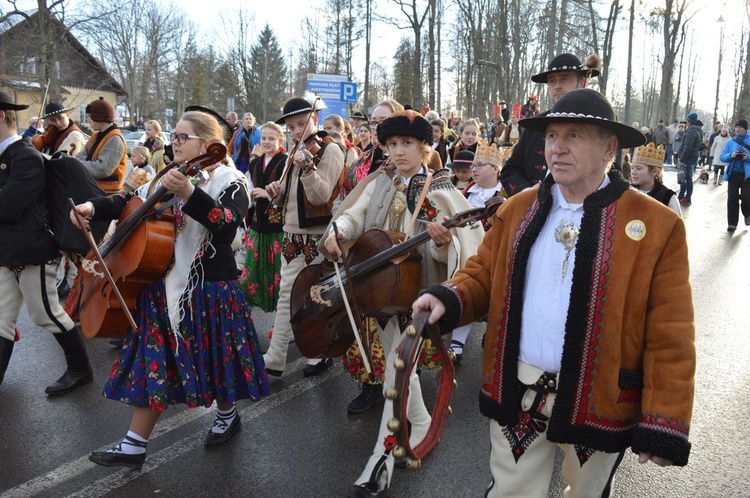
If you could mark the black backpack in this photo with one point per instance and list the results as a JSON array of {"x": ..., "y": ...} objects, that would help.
[{"x": 66, "y": 177}]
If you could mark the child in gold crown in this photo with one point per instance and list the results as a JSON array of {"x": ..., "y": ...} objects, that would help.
[{"x": 646, "y": 176}]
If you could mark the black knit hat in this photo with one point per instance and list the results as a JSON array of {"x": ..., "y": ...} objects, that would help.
[
  {"x": 223, "y": 123},
  {"x": 742, "y": 123},
  {"x": 7, "y": 104},
  {"x": 53, "y": 109},
  {"x": 407, "y": 123},
  {"x": 563, "y": 63},
  {"x": 298, "y": 105},
  {"x": 588, "y": 107},
  {"x": 462, "y": 159}
]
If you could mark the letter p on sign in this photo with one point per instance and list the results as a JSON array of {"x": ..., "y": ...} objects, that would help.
[{"x": 348, "y": 92}]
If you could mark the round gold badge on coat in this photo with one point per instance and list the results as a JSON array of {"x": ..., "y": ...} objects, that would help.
[{"x": 636, "y": 229}]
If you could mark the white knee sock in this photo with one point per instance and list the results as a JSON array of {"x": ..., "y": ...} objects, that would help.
[{"x": 223, "y": 420}]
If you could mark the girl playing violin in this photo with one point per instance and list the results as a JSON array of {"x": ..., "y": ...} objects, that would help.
[{"x": 195, "y": 343}]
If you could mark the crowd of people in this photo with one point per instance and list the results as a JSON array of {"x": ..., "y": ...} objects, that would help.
[{"x": 580, "y": 191}]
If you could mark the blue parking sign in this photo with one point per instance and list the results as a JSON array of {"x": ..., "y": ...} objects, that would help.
[{"x": 348, "y": 92}]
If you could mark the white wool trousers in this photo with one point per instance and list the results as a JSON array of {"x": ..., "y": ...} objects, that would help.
[
  {"x": 390, "y": 338},
  {"x": 530, "y": 476},
  {"x": 35, "y": 286},
  {"x": 275, "y": 357}
]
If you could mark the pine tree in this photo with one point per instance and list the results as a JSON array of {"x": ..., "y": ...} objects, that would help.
[
  {"x": 403, "y": 73},
  {"x": 268, "y": 75}
]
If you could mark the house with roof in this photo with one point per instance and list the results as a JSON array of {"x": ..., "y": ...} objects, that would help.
[{"x": 35, "y": 48}]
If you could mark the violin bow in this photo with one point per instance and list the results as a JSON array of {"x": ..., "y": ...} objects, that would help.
[
  {"x": 44, "y": 99},
  {"x": 86, "y": 229},
  {"x": 356, "y": 317}
]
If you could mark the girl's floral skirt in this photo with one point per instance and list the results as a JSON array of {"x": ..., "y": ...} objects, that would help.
[
  {"x": 218, "y": 358},
  {"x": 262, "y": 273}
]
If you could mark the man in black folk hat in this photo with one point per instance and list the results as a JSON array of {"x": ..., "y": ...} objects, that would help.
[
  {"x": 526, "y": 166},
  {"x": 29, "y": 255},
  {"x": 308, "y": 192},
  {"x": 582, "y": 352},
  {"x": 61, "y": 133}
]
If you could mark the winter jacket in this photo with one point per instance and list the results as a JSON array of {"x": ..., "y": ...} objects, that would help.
[
  {"x": 690, "y": 148},
  {"x": 734, "y": 164}
]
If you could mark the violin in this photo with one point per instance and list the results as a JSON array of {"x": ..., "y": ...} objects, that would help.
[
  {"x": 136, "y": 253},
  {"x": 385, "y": 277}
]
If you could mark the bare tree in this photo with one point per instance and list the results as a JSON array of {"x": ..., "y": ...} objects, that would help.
[
  {"x": 673, "y": 18},
  {"x": 138, "y": 42},
  {"x": 415, "y": 12},
  {"x": 743, "y": 100}
]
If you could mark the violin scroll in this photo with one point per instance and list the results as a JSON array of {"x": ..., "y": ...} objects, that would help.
[{"x": 215, "y": 152}]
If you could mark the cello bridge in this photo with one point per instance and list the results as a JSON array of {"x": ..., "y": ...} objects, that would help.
[
  {"x": 90, "y": 266},
  {"x": 316, "y": 294}
]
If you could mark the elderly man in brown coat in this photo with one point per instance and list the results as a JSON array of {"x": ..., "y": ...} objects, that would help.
[{"x": 590, "y": 334}]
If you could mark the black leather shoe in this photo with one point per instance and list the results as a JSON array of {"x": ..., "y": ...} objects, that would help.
[
  {"x": 116, "y": 459},
  {"x": 371, "y": 395},
  {"x": 318, "y": 368},
  {"x": 69, "y": 381},
  {"x": 363, "y": 491},
  {"x": 275, "y": 373},
  {"x": 215, "y": 438}
]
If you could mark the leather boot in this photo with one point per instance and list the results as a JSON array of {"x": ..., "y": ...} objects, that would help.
[
  {"x": 6, "y": 350},
  {"x": 79, "y": 371}
]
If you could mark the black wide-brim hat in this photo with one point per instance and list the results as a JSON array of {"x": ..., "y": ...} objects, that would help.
[
  {"x": 223, "y": 123},
  {"x": 463, "y": 159},
  {"x": 298, "y": 105},
  {"x": 586, "y": 106},
  {"x": 53, "y": 109},
  {"x": 408, "y": 123},
  {"x": 563, "y": 63},
  {"x": 358, "y": 115},
  {"x": 7, "y": 104}
]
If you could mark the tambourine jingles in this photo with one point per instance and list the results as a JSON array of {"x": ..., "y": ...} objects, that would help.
[{"x": 405, "y": 364}]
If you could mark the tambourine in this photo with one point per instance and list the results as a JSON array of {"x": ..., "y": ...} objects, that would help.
[{"x": 405, "y": 364}]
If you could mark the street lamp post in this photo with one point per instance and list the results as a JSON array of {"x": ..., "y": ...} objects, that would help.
[{"x": 721, "y": 21}]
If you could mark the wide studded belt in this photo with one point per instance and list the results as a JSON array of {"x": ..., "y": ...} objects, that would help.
[{"x": 547, "y": 383}]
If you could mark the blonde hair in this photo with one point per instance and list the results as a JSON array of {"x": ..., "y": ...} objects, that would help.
[
  {"x": 273, "y": 126},
  {"x": 390, "y": 104},
  {"x": 142, "y": 152},
  {"x": 153, "y": 123},
  {"x": 204, "y": 125},
  {"x": 470, "y": 122},
  {"x": 337, "y": 121}
]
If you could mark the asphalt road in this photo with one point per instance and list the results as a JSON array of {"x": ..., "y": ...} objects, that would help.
[{"x": 300, "y": 442}]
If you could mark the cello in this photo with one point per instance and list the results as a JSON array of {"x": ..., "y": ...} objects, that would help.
[
  {"x": 385, "y": 273},
  {"x": 136, "y": 253}
]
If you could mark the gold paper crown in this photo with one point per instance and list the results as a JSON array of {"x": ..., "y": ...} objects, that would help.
[
  {"x": 649, "y": 155},
  {"x": 489, "y": 154}
]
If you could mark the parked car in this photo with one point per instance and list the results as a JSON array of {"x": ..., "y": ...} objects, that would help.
[{"x": 136, "y": 138}]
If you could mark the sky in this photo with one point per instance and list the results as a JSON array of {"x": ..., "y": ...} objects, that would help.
[
  {"x": 286, "y": 24},
  {"x": 286, "y": 16}
]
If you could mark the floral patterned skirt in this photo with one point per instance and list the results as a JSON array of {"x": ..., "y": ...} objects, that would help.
[
  {"x": 355, "y": 367},
  {"x": 262, "y": 273},
  {"x": 219, "y": 359}
]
